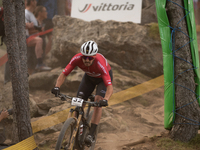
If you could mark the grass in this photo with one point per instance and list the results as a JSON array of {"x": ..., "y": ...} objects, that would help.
[{"x": 168, "y": 144}]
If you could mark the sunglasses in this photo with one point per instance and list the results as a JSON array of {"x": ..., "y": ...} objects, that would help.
[{"x": 88, "y": 57}]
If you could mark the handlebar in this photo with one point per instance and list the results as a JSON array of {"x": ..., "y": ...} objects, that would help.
[{"x": 64, "y": 97}]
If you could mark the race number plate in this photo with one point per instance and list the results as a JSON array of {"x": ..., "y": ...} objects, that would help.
[{"x": 77, "y": 101}]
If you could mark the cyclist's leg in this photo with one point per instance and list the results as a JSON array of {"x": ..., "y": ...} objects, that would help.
[
  {"x": 90, "y": 139},
  {"x": 86, "y": 88},
  {"x": 100, "y": 94},
  {"x": 98, "y": 110}
]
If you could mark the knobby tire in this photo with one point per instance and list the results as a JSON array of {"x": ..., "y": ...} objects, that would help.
[{"x": 67, "y": 129}]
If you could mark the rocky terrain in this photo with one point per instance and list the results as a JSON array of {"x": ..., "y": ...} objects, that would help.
[
  {"x": 121, "y": 124},
  {"x": 135, "y": 55}
]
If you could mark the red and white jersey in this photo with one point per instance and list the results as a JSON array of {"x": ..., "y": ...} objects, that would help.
[{"x": 99, "y": 69}]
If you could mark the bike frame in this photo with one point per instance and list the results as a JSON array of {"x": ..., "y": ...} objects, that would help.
[{"x": 80, "y": 112}]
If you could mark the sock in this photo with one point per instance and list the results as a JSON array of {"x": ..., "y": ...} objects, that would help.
[
  {"x": 39, "y": 60},
  {"x": 93, "y": 129}
]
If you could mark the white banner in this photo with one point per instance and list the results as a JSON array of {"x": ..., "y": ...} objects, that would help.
[{"x": 118, "y": 10}]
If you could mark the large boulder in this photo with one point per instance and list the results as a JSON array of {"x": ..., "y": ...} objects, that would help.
[
  {"x": 6, "y": 101},
  {"x": 149, "y": 14},
  {"x": 147, "y": 3},
  {"x": 125, "y": 43}
]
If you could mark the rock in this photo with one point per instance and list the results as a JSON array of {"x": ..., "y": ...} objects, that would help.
[
  {"x": 46, "y": 81},
  {"x": 106, "y": 113},
  {"x": 44, "y": 140},
  {"x": 42, "y": 112},
  {"x": 108, "y": 124},
  {"x": 145, "y": 3},
  {"x": 125, "y": 148},
  {"x": 39, "y": 136},
  {"x": 131, "y": 44},
  {"x": 123, "y": 128},
  {"x": 43, "y": 80},
  {"x": 33, "y": 107},
  {"x": 149, "y": 14},
  {"x": 7, "y": 98},
  {"x": 53, "y": 129},
  {"x": 46, "y": 105},
  {"x": 59, "y": 108},
  {"x": 49, "y": 103}
]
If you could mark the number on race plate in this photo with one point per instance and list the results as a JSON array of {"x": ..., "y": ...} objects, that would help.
[{"x": 77, "y": 101}]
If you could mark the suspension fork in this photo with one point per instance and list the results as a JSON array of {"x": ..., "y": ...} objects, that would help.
[
  {"x": 70, "y": 113},
  {"x": 72, "y": 141}
]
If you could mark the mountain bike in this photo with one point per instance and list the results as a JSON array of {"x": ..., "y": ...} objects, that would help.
[{"x": 75, "y": 129}]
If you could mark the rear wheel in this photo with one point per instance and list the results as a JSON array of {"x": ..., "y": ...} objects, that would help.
[{"x": 65, "y": 135}]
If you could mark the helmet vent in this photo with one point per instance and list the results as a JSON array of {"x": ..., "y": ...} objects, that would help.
[{"x": 89, "y": 48}]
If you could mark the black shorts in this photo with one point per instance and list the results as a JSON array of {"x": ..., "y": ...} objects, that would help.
[{"x": 89, "y": 83}]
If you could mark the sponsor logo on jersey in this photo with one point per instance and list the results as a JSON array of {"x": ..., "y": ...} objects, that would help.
[
  {"x": 102, "y": 67},
  {"x": 74, "y": 58},
  {"x": 104, "y": 59},
  {"x": 93, "y": 74}
]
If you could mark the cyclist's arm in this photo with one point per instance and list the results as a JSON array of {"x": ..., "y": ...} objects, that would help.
[
  {"x": 72, "y": 64},
  {"x": 60, "y": 80},
  {"x": 63, "y": 75},
  {"x": 108, "y": 84},
  {"x": 109, "y": 92}
]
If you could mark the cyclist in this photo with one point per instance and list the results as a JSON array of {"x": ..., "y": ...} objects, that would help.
[{"x": 98, "y": 74}]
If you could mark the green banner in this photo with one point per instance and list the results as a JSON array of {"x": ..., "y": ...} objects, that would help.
[{"x": 168, "y": 69}]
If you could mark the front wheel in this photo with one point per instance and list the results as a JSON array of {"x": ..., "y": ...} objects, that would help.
[{"x": 65, "y": 135}]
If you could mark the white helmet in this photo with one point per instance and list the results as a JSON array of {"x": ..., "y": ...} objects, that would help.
[{"x": 89, "y": 48}]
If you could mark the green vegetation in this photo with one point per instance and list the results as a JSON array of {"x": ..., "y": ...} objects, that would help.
[
  {"x": 1, "y": 3},
  {"x": 154, "y": 31},
  {"x": 169, "y": 144}
]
